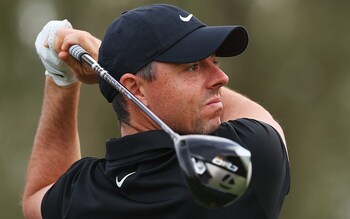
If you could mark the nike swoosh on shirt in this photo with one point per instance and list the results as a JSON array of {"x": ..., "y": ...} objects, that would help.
[
  {"x": 186, "y": 19},
  {"x": 120, "y": 183}
]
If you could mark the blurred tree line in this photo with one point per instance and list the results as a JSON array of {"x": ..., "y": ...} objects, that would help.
[{"x": 295, "y": 66}]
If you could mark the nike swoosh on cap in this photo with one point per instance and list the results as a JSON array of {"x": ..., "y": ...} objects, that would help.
[
  {"x": 120, "y": 183},
  {"x": 186, "y": 19}
]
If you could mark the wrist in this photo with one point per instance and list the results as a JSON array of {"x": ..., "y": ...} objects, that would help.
[
  {"x": 50, "y": 82},
  {"x": 61, "y": 95},
  {"x": 61, "y": 79},
  {"x": 61, "y": 102}
]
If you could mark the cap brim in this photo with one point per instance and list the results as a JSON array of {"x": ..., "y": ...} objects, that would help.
[{"x": 224, "y": 41}]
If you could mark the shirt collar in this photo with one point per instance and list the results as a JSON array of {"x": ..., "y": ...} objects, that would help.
[{"x": 118, "y": 148}]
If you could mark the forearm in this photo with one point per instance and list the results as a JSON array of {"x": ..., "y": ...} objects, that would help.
[
  {"x": 238, "y": 106},
  {"x": 56, "y": 145}
]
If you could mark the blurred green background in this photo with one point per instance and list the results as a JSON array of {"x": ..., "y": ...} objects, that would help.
[{"x": 296, "y": 66}]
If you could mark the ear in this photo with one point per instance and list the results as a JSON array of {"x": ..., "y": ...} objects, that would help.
[{"x": 135, "y": 85}]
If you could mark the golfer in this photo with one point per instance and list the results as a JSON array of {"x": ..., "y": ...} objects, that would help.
[{"x": 167, "y": 58}]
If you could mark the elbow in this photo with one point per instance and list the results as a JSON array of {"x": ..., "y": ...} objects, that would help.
[
  {"x": 30, "y": 209},
  {"x": 31, "y": 203},
  {"x": 25, "y": 208}
]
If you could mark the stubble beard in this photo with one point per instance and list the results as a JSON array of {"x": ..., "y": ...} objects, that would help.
[{"x": 206, "y": 127}]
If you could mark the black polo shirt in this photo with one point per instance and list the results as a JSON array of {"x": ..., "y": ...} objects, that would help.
[{"x": 140, "y": 178}]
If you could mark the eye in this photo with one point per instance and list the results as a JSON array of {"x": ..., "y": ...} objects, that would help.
[
  {"x": 216, "y": 62},
  {"x": 193, "y": 67}
]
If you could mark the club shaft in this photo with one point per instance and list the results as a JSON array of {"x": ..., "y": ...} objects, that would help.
[{"x": 81, "y": 55}]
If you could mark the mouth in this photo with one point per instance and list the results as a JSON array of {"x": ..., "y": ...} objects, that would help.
[{"x": 215, "y": 102}]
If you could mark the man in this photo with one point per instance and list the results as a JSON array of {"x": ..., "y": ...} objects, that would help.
[{"x": 167, "y": 59}]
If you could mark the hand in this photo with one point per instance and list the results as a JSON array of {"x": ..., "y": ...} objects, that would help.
[
  {"x": 44, "y": 44},
  {"x": 65, "y": 38}
]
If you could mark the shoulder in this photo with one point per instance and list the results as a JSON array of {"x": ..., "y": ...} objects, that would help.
[
  {"x": 268, "y": 153},
  {"x": 271, "y": 175},
  {"x": 51, "y": 206},
  {"x": 260, "y": 138},
  {"x": 82, "y": 164},
  {"x": 80, "y": 167},
  {"x": 249, "y": 131}
]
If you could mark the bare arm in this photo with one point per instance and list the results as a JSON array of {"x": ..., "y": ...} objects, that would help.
[
  {"x": 56, "y": 146},
  {"x": 238, "y": 106}
]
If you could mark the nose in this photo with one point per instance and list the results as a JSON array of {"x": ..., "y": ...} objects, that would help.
[{"x": 216, "y": 78}]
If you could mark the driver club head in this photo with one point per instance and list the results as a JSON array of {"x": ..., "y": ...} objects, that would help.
[{"x": 217, "y": 170}]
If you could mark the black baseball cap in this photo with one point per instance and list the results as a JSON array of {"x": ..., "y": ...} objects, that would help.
[{"x": 164, "y": 33}]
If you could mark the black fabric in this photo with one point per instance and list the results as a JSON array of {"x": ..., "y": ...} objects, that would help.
[{"x": 157, "y": 189}]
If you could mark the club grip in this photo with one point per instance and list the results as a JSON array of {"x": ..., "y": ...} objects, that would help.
[{"x": 77, "y": 52}]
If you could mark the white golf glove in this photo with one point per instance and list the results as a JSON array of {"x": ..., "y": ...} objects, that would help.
[{"x": 55, "y": 68}]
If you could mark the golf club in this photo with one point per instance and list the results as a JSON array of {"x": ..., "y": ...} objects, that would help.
[{"x": 217, "y": 170}]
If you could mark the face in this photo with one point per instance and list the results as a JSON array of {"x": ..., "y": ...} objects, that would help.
[{"x": 187, "y": 96}]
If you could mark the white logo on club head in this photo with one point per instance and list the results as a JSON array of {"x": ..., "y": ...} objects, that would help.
[
  {"x": 186, "y": 19},
  {"x": 199, "y": 166},
  {"x": 120, "y": 183}
]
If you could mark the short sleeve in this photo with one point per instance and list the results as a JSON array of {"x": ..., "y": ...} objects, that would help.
[
  {"x": 56, "y": 200},
  {"x": 271, "y": 174}
]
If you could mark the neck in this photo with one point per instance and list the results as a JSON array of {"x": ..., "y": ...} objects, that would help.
[{"x": 138, "y": 122}]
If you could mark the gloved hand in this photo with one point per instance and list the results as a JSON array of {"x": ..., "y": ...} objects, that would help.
[{"x": 55, "y": 68}]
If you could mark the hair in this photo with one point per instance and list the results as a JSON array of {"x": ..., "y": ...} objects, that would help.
[{"x": 119, "y": 102}]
